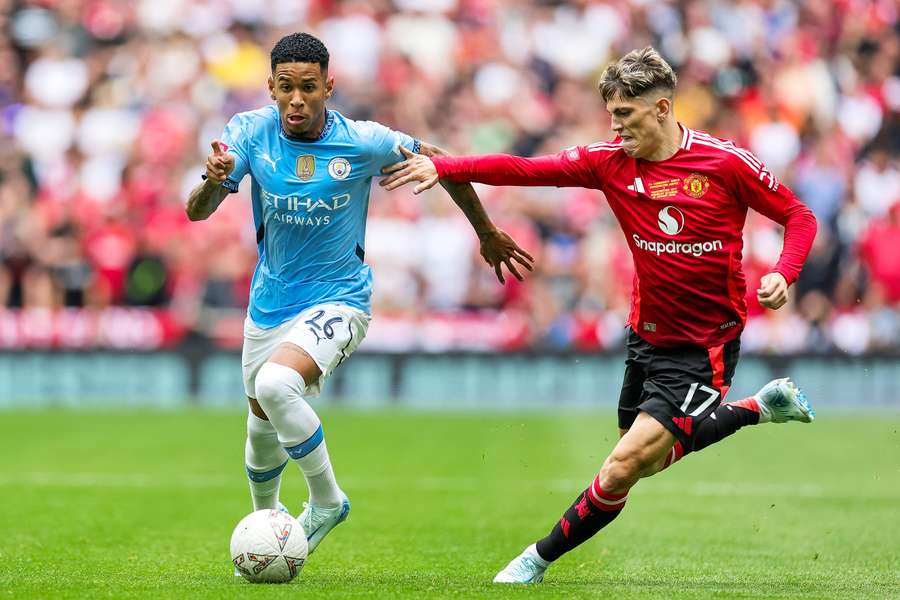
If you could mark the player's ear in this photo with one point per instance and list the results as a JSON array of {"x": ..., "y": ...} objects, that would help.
[
  {"x": 329, "y": 86},
  {"x": 663, "y": 108},
  {"x": 271, "y": 83}
]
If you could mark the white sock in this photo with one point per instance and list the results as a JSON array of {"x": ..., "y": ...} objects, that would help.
[
  {"x": 532, "y": 550},
  {"x": 265, "y": 459},
  {"x": 316, "y": 467},
  {"x": 279, "y": 391}
]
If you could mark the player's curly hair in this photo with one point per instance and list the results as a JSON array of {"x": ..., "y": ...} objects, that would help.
[
  {"x": 300, "y": 47},
  {"x": 637, "y": 73}
]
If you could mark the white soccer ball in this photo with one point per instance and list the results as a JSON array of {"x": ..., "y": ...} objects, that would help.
[{"x": 268, "y": 546}]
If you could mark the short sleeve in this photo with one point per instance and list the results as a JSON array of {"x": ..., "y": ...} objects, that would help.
[
  {"x": 237, "y": 137},
  {"x": 385, "y": 146}
]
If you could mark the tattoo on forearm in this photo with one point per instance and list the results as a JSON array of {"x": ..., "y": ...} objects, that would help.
[
  {"x": 467, "y": 200},
  {"x": 464, "y": 196},
  {"x": 204, "y": 200}
]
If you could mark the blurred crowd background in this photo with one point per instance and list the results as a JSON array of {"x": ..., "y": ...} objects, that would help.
[{"x": 109, "y": 106}]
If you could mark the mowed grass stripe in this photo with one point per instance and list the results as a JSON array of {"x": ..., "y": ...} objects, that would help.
[
  {"x": 446, "y": 484},
  {"x": 140, "y": 505}
]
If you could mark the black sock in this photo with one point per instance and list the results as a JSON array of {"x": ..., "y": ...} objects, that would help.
[
  {"x": 579, "y": 523},
  {"x": 724, "y": 421}
]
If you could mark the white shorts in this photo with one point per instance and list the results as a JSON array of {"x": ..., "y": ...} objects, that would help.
[{"x": 329, "y": 333}]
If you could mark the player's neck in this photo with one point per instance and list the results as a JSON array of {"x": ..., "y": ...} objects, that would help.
[
  {"x": 669, "y": 143},
  {"x": 313, "y": 134}
]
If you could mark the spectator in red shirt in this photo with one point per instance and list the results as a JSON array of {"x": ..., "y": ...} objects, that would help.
[{"x": 879, "y": 249}]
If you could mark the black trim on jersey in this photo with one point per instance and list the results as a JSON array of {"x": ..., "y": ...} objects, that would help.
[
  {"x": 228, "y": 184},
  {"x": 360, "y": 253},
  {"x": 260, "y": 232},
  {"x": 326, "y": 129}
]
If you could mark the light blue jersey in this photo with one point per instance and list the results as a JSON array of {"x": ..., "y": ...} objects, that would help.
[{"x": 310, "y": 201}]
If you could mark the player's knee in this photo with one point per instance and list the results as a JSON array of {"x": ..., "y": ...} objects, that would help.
[
  {"x": 277, "y": 384},
  {"x": 621, "y": 471}
]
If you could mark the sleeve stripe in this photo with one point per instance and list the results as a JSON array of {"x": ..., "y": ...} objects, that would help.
[
  {"x": 704, "y": 142},
  {"x": 603, "y": 146},
  {"x": 726, "y": 145},
  {"x": 748, "y": 158}
]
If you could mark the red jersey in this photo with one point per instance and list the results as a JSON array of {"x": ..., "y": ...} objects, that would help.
[{"x": 683, "y": 219}]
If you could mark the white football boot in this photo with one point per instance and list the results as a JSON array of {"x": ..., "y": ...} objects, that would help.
[
  {"x": 318, "y": 521},
  {"x": 527, "y": 567},
  {"x": 781, "y": 401}
]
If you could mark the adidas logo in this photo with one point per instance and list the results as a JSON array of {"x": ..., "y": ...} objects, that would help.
[{"x": 683, "y": 423}]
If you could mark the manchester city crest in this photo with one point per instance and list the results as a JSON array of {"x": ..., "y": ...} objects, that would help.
[{"x": 339, "y": 168}]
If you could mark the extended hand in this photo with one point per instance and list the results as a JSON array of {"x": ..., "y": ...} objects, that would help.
[
  {"x": 416, "y": 167},
  {"x": 219, "y": 164},
  {"x": 773, "y": 291},
  {"x": 497, "y": 249}
]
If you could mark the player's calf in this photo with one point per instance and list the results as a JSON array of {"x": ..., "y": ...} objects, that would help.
[
  {"x": 596, "y": 507},
  {"x": 778, "y": 401},
  {"x": 265, "y": 459}
]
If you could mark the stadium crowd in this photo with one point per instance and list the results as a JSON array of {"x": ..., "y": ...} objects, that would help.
[{"x": 108, "y": 108}]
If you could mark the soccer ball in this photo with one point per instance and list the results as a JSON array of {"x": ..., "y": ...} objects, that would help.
[{"x": 268, "y": 546}]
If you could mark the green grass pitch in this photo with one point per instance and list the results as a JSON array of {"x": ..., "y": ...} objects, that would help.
[{"x": 141, "y": 505}]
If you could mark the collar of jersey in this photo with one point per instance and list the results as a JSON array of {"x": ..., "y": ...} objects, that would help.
[{"x": 326, "y": 129}]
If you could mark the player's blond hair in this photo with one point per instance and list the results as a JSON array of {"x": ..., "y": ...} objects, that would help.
[{"x": 637, "y": 73}]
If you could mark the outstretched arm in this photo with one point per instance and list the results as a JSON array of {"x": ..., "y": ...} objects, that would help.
[
  {"x": 568, "y": 168},
  {"x": 497, "y": 247},
  {"x": 206, "y": 197}
]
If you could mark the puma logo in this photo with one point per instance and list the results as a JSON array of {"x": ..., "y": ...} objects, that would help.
[{"x": 265, "y": 156}]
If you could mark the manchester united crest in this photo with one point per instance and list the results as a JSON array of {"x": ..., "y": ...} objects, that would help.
[
  {"x": 695, "y": 185},
  {"x": 306, "y": 167}
]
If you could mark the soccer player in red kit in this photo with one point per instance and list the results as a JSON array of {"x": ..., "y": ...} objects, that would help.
[{"x": 681, "y": 197}]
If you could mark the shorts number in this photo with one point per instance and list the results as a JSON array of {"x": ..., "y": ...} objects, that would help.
[
  {"x": 326, "y": 329},
  {"x": 713, "y": 394}
]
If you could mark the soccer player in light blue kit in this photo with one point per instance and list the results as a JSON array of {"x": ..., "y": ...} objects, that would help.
[{"x": 311, "y": 170}]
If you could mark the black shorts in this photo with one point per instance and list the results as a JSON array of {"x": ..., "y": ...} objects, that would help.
[{"x": 679, "y": 387}]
